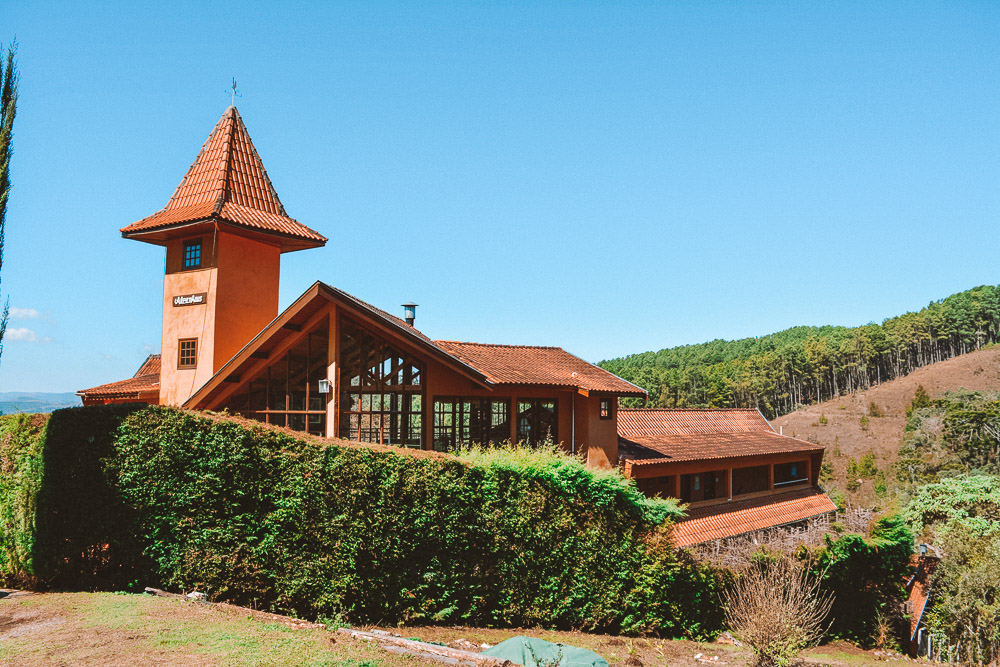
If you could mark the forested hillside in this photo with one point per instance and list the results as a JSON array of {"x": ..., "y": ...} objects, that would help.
[{"x": 778, "y": 372}]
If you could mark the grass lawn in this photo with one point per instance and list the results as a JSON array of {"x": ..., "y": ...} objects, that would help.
[
  {"x": 119, "y": 629},
  {"x": 110, "y": 629}
]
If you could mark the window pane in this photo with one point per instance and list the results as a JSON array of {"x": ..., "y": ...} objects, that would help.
[
  {"x": 277, "y": 385},
  {"x": 298, "y": 358},
  {"x": 790, "y": 473},
  {"x": 750, "y": 480}
]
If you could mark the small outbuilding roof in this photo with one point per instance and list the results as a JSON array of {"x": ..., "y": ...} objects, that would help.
[
  {"x": 647, "y": 436},
  {"x": 714, "y": 522},
  {"x": 146, "y": 381}
]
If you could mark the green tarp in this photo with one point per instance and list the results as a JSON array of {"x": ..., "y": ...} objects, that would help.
[{"x": 532, "y": 652}]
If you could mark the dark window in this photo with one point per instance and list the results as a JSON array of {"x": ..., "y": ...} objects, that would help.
[
  {"x": 658, "y": 487},
  {"x": 536, "y": 421},
  {"x": 381, "y": 390},
  {"x": 750, "y": 480},
  {"x": 605, "y": 408},
  {"x": 703, "y": 486},
  {"x": 286, "y": 393},
  {"x": 187, "y": 353},
  {"x": 791, "y": 473},
  {"x": 192, "y": 254},
  {"x": 462, "y": 421}
]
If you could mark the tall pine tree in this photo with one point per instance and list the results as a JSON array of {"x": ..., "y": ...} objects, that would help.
[{"x": 8, "y": 107}]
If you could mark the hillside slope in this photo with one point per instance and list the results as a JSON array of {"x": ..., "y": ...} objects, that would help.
[{"x": 843, "y": 435}]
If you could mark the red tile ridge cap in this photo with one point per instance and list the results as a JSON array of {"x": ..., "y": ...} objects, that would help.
[
  {"x": 689, "y": 410},
  {"x": 523, "y": 347}
]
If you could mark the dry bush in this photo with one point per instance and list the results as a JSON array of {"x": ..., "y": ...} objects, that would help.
[{"x": 776, "y": 609}]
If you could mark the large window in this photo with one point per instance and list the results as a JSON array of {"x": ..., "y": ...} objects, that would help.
[
  {"x": 750, "y": 480},
  {"x": 460, "y": 422},
  {"x": 536, "y": 421},
  {"x": 704, "y": 486},
  {"x": 381, "y": 390},
  {"x": 786, "y": 474},
  {"x": 658, "y": 487},
  {"x": 286, "y": 393}
]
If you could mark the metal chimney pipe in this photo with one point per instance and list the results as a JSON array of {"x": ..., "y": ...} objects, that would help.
[{"x": 410, "y": 312}]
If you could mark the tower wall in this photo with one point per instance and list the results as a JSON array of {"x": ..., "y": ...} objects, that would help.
[
  {"x": 247, "y": 293},
  {"x": 196, "y": 321},
  {"x": 235, "y": 294}
]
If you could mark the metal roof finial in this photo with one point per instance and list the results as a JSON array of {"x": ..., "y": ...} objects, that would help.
[{"x": 234, "y": 92}]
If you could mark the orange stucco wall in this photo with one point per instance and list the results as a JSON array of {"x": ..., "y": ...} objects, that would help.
[
  {"x": 247, "y": 293},
  {"x": 198, "y": 321},
  {"x": 240, "y": 277}
]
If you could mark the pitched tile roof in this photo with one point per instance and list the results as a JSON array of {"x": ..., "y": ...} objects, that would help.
[
  {"x": 228, "y": 182},
  {"x": 145, "y": 381},
  {"x": 549, "y": 366},
  {"x": 649, "y": 436},
  {"x": 920, "y": 591},
  {"x": 484, "y": 364},
  {"x": 704, "y": 524}
]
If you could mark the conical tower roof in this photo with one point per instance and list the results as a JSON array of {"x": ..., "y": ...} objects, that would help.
[{"x": 227, "y": 184}]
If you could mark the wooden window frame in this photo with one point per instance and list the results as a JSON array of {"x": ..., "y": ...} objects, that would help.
[
  {"x": 181, "y": 366},
  {"x": 374, "y": 390},
  {"x": 535, "y": 420},
  {"x": 480, "y": 411},
  {"x": 601, "y": 411},
  {"x": 190, "y": 243}
]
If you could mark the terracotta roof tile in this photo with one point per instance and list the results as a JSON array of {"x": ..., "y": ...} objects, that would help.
[
  {"x": 653, "y": 436},
  {"x": 146, "y": 380},
  {"x": 678, "y": 421},
  {"x": 920, "y": 591},
  {"x": 714, "y": 522},
  {"x": 227, "y": 181},
  {"x": 550, "y": 366},
  {"x": 150, "y": 366}
]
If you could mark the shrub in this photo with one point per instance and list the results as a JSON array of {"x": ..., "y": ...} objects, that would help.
[
  {"x": 823, "y": 420},
  {"x": 256, "y": 516},
  {"x": 866, "y": 578},
  {"x": 776, "y": 608},
  {"x": 966, "y": 602},
  {"x": 863, "y": 422},
  {"x": 874, "y": 410}
]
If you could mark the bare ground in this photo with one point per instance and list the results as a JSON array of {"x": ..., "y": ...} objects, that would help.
[
  {"x": 112, "y": 629},
  {"x": 843, "y": 435}
]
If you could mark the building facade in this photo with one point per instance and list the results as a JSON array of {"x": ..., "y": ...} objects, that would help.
[{"x": 332, "y": 365}]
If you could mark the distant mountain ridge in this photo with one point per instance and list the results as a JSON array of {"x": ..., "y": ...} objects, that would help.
[
  {"x": 13, "y": 402},
  {"x": 777, "y": 373}
]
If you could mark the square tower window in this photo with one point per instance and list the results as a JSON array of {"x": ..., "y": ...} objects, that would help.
[
  {"x": 187, "y": 353},
  {"x": 192, "y": 254}
]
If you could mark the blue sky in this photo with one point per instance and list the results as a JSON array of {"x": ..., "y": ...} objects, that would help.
[{"x": 606, "y": 177}]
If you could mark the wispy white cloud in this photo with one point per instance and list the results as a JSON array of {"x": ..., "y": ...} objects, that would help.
[
  {"x": 25, "y": 334},
  {"x": 23, "y": 313}
]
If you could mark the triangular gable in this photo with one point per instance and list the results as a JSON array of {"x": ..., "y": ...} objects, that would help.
[{"x": 290, "y": 322}]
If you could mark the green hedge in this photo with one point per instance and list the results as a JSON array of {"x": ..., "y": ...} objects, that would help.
[{"x": 133, "y": 496}]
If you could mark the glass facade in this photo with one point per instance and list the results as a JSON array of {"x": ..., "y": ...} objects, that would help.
[
  {"x": 286, "y": 393},
  {"x": 536, "y": 421},
  {"x": 381, "y": 390},
  {"x": 462, "y": 421}
]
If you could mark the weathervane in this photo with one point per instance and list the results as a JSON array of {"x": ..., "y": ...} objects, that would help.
[{"x": 234, "y": 93}]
